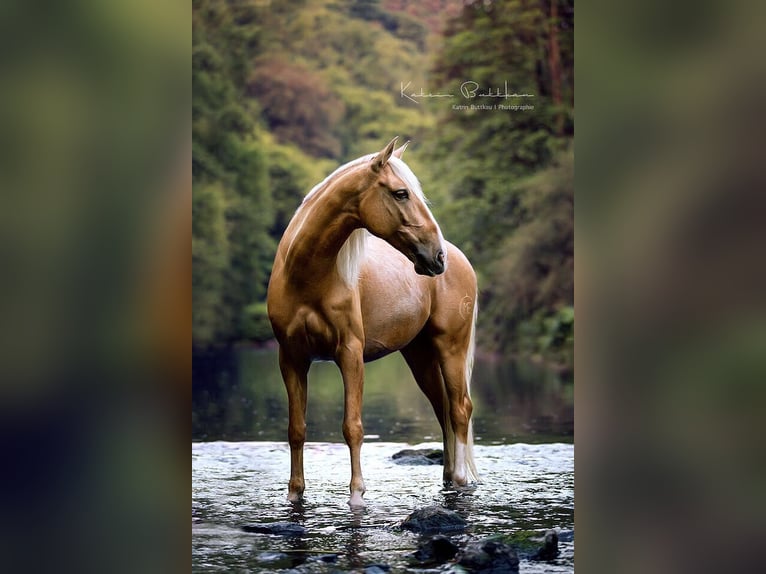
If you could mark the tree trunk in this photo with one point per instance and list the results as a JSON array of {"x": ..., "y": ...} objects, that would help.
[{"x": 554, "y": 63}]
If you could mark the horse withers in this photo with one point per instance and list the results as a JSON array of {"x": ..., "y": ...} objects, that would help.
[{"x": 363, "y": 270}]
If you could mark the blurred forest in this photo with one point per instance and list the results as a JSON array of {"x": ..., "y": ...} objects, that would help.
[{"x": 284, "y": 91}]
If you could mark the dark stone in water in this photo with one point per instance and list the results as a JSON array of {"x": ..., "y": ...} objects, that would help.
[
  {"x": 436, "y": 550},
  {"x": 550, "y": 548},
  {"x": 489, "y": 557},
  {"x": 432, "y": 519},
  {"x": 421, "y": 456},
  {"x": 278, "y": 528},
  {"x": 377, "y": 569}
]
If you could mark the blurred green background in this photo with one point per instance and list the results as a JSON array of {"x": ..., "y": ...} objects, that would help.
[{"x": 283, "y": 92}]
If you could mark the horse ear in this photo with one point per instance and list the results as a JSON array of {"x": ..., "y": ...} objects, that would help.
[
  {"x": 380, "y": 160},
  {"x": 400, "y": 150}
]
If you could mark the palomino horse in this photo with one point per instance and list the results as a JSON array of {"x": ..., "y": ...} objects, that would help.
[{"x": 344, "y": 288}]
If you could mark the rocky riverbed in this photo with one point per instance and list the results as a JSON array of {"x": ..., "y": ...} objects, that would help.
[{"x": 521, "y": 516}]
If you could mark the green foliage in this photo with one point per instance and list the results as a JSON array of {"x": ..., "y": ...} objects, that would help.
[
  {"x": 548, "y": 336},
  {"x": 530, "y": 277},
  {"x": 232, "y": 204},
  {"x": 298, "y": 106},
  {"x": 257, "y": 326},
  {"x": 400, "y": 25},
  {"x": 210, "y": 251},
  {"x": 291, "y": 175},
  {"x": 505, "y": 178}
]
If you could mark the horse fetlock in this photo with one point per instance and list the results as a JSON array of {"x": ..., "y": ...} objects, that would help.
[
  {"x": 356, "y": 499},
  {"x": 357, "y": 490},
  {"x": 459, "y": 474},
  {"x": 459, "y": 477},
  {"x": 295, "y": 489}
]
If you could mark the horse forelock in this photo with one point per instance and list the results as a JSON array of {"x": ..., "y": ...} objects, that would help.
[{"x": 403, "y": 172}]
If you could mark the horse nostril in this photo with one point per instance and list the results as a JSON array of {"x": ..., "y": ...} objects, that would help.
[{"x": 440, "y": 256}]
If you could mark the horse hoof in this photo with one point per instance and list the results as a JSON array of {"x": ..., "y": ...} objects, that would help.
[
  {"x": 294, "y": 497},
  {"x": 356, "y": 499}
]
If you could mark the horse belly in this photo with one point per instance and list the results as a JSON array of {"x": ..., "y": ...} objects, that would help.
[{"x": 395, "y": 305}]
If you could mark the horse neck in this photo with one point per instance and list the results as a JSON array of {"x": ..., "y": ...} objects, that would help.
[{"x": 327, "y": 235}]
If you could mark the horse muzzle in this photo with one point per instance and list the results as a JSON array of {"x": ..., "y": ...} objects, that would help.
[{"x": 427, "y": 263}]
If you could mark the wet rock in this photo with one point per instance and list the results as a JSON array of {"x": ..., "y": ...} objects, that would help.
[
  {"x": 435, "y": 550},
  {"x": 377, "y": 569},
  {"x": 421, "y": 456},
  {"x": 550, "y": 548},
  {"x": 433, "y": 519},
  {"x": 327, "y": 558},
  {"x": 278, "y": 528},
  {"x": 489, "y": 557}
]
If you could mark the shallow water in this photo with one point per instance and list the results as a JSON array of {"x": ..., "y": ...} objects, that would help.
[
  {"x": 240, "y": 466},
  {"x": 524, "y": 487}
]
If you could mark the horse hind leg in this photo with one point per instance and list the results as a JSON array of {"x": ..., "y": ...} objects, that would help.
[
  {"x": 456, "y": 361},
  {"x": 295, "y": 376},
  {"x": 424, "y": 364}
]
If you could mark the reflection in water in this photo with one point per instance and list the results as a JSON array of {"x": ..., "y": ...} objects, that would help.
[
  {"x": 239, "y": 395},
  {"x": 356, "y": 539},
  {"x": 461, "y": 501},
  {"x": 524, "y": 488}
]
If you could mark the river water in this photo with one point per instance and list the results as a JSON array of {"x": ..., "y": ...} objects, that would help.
[{"x": 523, "y": 420}]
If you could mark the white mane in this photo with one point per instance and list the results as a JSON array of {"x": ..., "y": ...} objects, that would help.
[
  {"x": 351, "y": 255},
  {"x": 322, "y": 184}
]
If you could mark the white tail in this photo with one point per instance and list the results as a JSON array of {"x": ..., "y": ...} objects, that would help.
[{"x": 469, "y": 460}]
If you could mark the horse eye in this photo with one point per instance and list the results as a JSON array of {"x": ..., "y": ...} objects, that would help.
[{"x": 401, "y": 194}]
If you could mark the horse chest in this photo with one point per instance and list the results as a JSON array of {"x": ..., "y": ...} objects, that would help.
[{"x": 316, "y": 331}]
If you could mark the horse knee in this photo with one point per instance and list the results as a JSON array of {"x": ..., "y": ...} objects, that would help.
[
  {"x": 296, "y": 435},
  {"x": 353, "y": 431}
]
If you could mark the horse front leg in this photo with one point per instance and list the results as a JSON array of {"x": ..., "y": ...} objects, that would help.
[
  {"x": 351, "y": 363},
  {"x": 295, "y": 376}
]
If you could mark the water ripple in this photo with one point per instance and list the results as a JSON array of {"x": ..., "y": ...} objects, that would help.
[{"x": 524, "y": 487}]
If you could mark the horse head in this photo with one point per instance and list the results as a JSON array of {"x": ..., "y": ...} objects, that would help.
[{"x": 393, "y": 208}]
